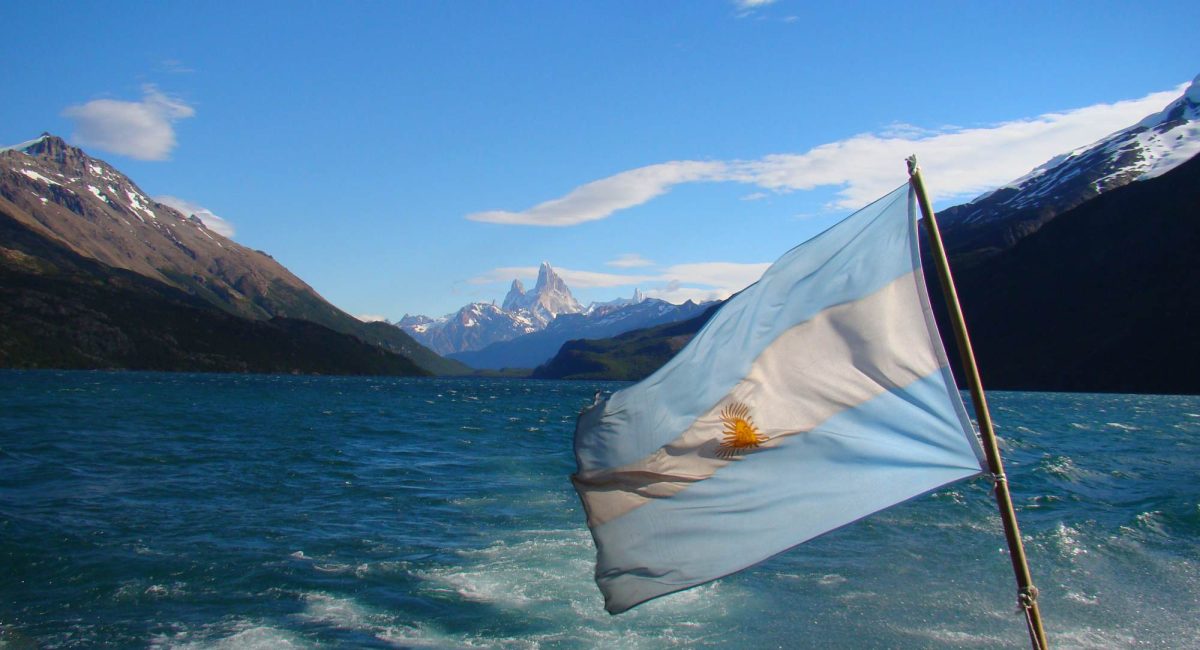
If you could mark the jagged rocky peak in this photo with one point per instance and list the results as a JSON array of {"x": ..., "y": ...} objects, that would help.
[
  {"x": 548, "y": 279},
  {"x": 56, "y": 149},
  {"x": 515, "y": 298},
  {"x": 550, "y": 296}
]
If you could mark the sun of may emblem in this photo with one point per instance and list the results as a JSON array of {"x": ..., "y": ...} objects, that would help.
[{"x": 740, "y": 432}]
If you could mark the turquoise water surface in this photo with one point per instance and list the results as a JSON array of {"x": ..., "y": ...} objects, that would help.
[{"x": 231, "y": 511}]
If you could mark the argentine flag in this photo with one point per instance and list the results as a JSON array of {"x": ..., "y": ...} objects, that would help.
[{"x": 817, "y": 396}]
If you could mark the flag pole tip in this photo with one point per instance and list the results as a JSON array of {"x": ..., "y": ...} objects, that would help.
[{"x": 912, "y": 164}]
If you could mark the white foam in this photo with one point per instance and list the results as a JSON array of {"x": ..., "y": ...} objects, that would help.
[
  {"x": 1067, "y": 540},
  {"x": 959, "y": 639},
  {"x": 345, "y": 613},
  {"x": 1083, "y": 599},
  {"x": 348, "y": 614},
  {"x": 1123, "y": 427},
  {"x": 1092, "y": 638},
  {"x": 831, "y": 579},
  {"x": 246, "y": 635}
]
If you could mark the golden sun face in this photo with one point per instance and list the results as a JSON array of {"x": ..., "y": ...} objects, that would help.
[{"x": 740, "y": 432}]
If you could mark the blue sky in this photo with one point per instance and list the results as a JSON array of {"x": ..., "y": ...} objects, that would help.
[{"x": 410, "y": 157}]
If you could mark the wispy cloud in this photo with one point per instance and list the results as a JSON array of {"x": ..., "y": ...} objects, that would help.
[
  {"x": 212, "y": 221},
  {"x": 175, "y": 66},
  {"x": 746, "y": 8},
  {"x": 697, "y": 281},
  {"x": 371, "y": 318},
  {"x": 629, "y": 261},
  {"x": 599, "y": 199},
  {"x": 143, "y": 130},
  {"x": 960, "y": 162},
  {"x": 749, "y": 5}
]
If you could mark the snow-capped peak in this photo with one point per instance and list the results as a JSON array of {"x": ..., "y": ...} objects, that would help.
[
  {"x": 26, "y": 145},
  {"x": 1154, "y": 146}
]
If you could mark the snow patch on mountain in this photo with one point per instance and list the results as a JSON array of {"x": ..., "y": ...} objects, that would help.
[{"x": 1152, "y": 147}]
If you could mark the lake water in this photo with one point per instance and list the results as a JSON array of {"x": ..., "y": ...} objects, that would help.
[{"x": 226, "y": 511}]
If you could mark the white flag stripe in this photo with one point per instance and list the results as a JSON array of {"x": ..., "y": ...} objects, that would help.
[
  {"x": 807, "y": 375},
  {"x": 805, "y": 281}
]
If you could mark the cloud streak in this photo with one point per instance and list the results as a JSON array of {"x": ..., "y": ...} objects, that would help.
[
  {"x": 964, "y": 162},
  {"x": 599, "y": 199},
  {"x": 629, "y": 261},
  {"x": 143, "y": 130},
  {"x": 211, "y": 221}
]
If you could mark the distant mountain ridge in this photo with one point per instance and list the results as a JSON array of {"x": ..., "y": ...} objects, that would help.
[
  {"x": 601, "y": 321},
  {"x": 529, "y": 326},
  {"x": 85, "y": 205}
]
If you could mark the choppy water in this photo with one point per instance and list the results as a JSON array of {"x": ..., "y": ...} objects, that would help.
[{"x": 219, "y": 511}]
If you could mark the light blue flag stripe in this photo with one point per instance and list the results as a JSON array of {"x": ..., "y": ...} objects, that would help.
[
  {"x": 762, "y": 505},
  {"x": 850, "y": 260}
]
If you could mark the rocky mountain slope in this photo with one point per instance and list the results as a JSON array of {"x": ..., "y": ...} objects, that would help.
[
  {"x": 88, "y": 207},
  {"x": 475, "y": 326},
  {"x": 59, "y": 309}
]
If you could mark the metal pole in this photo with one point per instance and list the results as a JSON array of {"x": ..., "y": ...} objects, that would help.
[{"x": 1026, "y": 592}]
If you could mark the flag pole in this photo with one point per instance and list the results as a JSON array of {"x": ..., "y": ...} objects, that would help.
[{"x": 1026, "y": 592}]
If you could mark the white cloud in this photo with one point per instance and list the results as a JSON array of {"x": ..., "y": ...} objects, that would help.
[
  {"x": 727, "y": 276},
  {"x": 175, "y": 66},
  {"x": 677, "y": 295},
  {"x": 212, "y": 221},
  {"x": 629, "y": 261},
  {"x": 506, "y": 274},
  {"x": 371, "y": 318},
  {"x": 746, "y": 5},
  {"x": 599, "y": 199},
  {"x": 958, "y": 162},
  {"x": 142, "y": 130}
]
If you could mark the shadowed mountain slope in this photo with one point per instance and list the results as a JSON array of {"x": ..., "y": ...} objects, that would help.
[{"x": 59, "y": 309}]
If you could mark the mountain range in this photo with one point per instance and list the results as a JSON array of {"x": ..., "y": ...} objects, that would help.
[
  {"x": 1079, "y": 276},
  {"x": 598, "y": 321},
  {"x": 530, "y": 326},
  {"x": 77, "y": 221}
]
